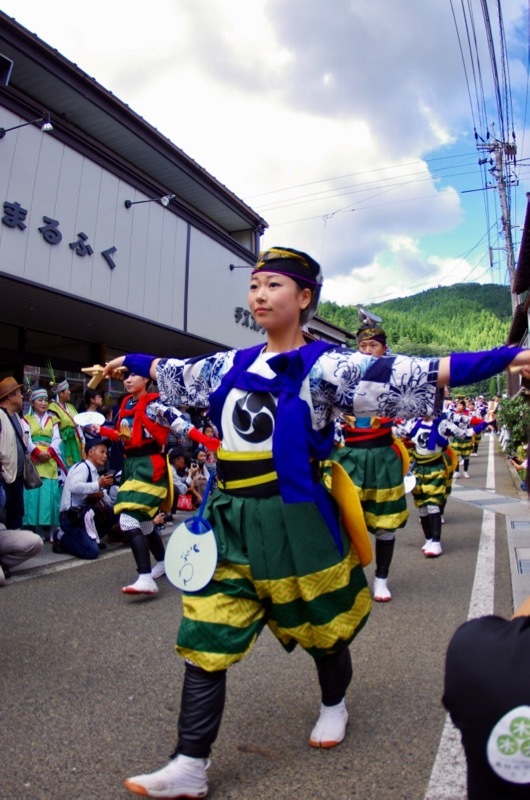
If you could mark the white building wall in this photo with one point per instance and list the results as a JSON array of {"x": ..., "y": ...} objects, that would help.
[
  {"x": 49, "y": 179},
  {"x": 215, "y": 292}
]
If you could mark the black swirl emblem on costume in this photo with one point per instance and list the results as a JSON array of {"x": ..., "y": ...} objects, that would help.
[
  {"x": 423, "y": 439},
  {"x": 253, "y": 417}
]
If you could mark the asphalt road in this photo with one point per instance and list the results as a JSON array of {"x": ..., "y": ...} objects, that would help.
[{"x": 91, "y": 683}]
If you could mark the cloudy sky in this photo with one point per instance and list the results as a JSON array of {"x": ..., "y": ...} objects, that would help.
[{"x": 347, "y": 124}]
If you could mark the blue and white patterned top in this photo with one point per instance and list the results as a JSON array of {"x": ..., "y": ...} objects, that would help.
[{"x": 340, "y": 381}]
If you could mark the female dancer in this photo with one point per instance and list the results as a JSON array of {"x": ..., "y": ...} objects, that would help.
[
  {"x": 72, "y": 438},
  {"x": 374, "y": 461},
  {"x": 284, "y": 560},
  {"x": 462, "y": 443},
  {"x": 143, "y": 429},
  {"x": 41, "y": 506},
  {"x": 432, "y": 466}
]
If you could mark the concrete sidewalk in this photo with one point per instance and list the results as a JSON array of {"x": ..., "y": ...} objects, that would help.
[
  {"x": 512, "y": 503},
  {"x": 47, "y": 561}
]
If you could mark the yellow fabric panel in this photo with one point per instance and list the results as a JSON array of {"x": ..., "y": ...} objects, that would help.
[
  {"x": 244, "y": 482},
  {"x": 309, "y": 586},
  {"x": 386, "y": 521},
  {"x": 144, "y": 488},
  {"x": 248, "y": 455},
  {"x": 381, "y": 495},
  {"x": 405, "y": 457},
  {"x": 230, "y": 572},
  {"x": 167, "y": 503},
  {"x": 325, "y": 636},
  {"x": 453, "y": 456},
  {"x": 212, "y": 662},
  {"x": 222, "y": 609},
  {"x": 128, "y": 506},
  {"x": 344, "y": 492}
]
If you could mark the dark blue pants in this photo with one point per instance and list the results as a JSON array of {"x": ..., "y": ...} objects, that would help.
[
  {"x": 14, "y": 512},
  {"x": 75, "y": 540}
]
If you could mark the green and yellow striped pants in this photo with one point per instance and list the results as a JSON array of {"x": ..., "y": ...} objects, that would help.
[{"x": 278, "y": 566}]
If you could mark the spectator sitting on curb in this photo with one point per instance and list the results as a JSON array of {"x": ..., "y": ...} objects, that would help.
[{"x": 16, "y": 546}]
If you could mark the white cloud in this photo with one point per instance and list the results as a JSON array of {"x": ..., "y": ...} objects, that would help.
[
  {"x": 401, "y": 271},
  {"x": 279, "y": 99}
]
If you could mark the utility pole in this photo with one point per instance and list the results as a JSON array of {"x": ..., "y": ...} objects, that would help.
[{"x": 503, "y": 152}]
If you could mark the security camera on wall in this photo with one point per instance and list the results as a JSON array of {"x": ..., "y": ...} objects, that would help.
[{"x": 6, "y": 65}]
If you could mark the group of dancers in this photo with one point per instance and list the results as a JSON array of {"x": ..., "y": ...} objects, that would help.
[{"x": 377, "y": 452}]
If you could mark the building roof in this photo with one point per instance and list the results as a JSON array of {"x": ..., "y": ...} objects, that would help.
[
  {"x": 80, "y": 107},
  {"x": 94, "y": 121}
]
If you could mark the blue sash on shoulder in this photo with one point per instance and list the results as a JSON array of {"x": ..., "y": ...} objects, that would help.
[{"x": 294, "y": 443}]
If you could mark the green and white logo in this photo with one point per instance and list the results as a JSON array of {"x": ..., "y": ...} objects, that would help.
[{"x": 508, "y": 747}]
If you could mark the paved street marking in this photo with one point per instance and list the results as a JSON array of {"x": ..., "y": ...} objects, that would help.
[{"x": 448, "y": 776}]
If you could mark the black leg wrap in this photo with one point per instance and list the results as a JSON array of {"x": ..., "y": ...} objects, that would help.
[
  {"x": 426, "y": 526},
  {"x": 201, "y": 711},
  {"x": 140, "y": 550},
  {"x": 156, "y": 545},
  {"x": 384, "y": 550},
  {"x": 334, "y": 675},
  {"x": 436, "y": 526}
]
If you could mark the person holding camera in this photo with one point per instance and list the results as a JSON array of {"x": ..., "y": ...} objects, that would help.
[
  {"x": 83, "y": 503},
  {"x": 200, "y": 478},
  {"x": 180, "y": 465}
]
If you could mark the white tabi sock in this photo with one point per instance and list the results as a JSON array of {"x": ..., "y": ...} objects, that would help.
[
  {"x": 182, "y": 777},
  {"x": 331, "y": 725}
]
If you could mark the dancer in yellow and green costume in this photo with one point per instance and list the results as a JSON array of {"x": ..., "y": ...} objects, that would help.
[
  {"x": 376, "y": 463},
  {"x": 284, "y": 560},
  {"x": 143, "y": 425}
]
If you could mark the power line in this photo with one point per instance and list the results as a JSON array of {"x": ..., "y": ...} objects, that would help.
[
  {"x": 330, "y": 194},
  {"x": 355, "y": 174}
]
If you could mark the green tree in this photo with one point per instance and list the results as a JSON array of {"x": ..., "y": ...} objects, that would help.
[
  {"x": 438, "y": 322},
  {"x": 514, "y": 414}
]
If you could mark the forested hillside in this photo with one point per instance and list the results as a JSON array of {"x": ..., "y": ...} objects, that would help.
[{"x": 466, "y": 316}]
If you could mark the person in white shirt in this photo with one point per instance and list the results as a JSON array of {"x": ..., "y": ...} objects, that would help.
[
  {"x": 84, "y": 486},
  {"x": 181, "y": 470}
]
